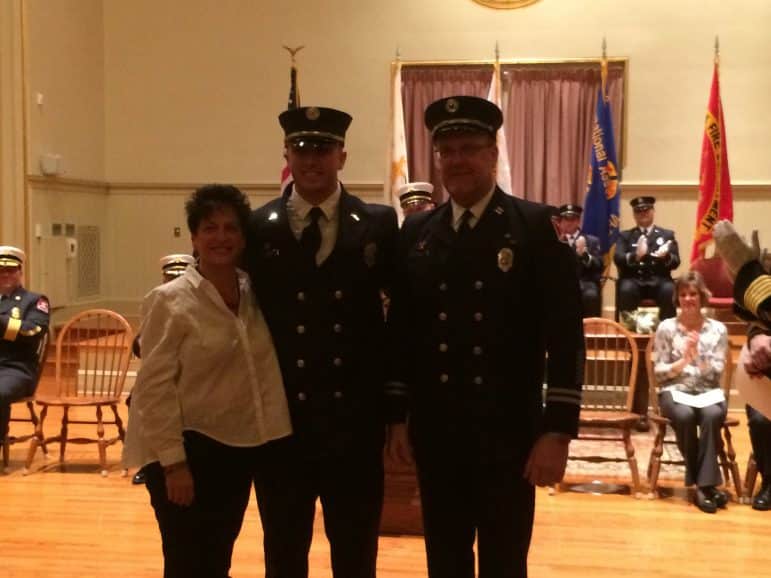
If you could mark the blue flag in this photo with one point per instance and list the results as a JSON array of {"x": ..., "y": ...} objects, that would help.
[{"x": 603, "y": 191}]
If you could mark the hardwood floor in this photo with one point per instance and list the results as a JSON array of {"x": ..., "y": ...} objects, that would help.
[{"x": 78, "y": 524}]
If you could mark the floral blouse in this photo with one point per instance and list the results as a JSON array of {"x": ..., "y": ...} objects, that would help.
[{"x": 704, "y": 372}]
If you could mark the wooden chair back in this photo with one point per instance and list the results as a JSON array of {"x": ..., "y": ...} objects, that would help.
[
  {"x": 610, "y": 371},
  {"x": 93, "y": 352}
]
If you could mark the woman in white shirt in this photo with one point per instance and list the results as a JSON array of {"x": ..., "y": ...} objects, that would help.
[
  {"x": 690, "y": 353},
  {"x": 209, "y": 393}
]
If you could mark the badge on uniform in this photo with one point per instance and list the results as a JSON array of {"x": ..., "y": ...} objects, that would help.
[
  {"x": 370, "y": 253},
  {"x": 505, "y": 259},
  {"x": 15, "y": 313},
  {"x": 660, "y": 241}
]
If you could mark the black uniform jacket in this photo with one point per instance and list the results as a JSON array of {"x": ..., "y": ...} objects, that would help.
[
  {"x": 649, "y": 269},
  {"x": 23, "y": 322},
  {"x": 327, "y": 322},
  {"x": 475, "y": 318}
]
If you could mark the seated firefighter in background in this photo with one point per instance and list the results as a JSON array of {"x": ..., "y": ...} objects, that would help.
[
  {"x": 416, "y": 198},
  {"x": 588, "y": 259},
  {"x": 23, "y": 322},
  {"x": 172, "y": 266},
  {"x": 645, "y": 257},
  {"x": 752, "y": 301}
]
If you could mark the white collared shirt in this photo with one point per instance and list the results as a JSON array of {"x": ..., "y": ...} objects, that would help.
[
  {"x": 203, "y": 369},
  {"x": 477, "y": 209},
  {"x": 298, "y": 211}
]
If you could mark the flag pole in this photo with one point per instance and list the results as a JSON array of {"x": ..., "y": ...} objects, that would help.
[{"x": 604, "y": 69}]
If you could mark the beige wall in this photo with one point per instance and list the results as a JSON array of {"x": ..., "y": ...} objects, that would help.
[
  {"x": 65, "y": 64},
  {"x": 153, "y": 97}
]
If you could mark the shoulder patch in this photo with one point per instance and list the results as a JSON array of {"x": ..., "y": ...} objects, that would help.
[{"x": 42, "y": 305}]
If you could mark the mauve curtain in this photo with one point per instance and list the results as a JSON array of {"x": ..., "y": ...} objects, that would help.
[
  {"x": 422, "y": 85},
  {"x": 548, "y": 115}
]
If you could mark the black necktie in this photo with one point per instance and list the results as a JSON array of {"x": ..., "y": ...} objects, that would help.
[
  {"x": 464, "y": 227},
  {"x": 310, "y": 241}
]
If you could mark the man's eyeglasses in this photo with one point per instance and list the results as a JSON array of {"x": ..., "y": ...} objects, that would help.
[{"x": 463, "y": 151}]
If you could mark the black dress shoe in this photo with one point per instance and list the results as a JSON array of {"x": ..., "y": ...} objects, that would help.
[
  {"x": 704, "y": 501},
  {"x": 718, "y": 496},
  {"x": 139, "y": 478},
  {"x": 762, "y": 500}
]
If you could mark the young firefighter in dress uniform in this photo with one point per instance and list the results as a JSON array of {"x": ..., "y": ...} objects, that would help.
[{"x": 320, "y": 259}]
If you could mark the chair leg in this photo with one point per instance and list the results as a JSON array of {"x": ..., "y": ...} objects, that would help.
[
  {"x": 632, "y": 461},
  {"x": 37, "y": 439},
  {"x": 34, "y": 419},
  {"x": 63, "y": 434},
  {"x": 732, "y": 465},
  {"x": 750, "y": 477},
  {"x": 101, "y": 441},
  {"x": 6, "y": 452},
  {"x": 654, "y": 464}
]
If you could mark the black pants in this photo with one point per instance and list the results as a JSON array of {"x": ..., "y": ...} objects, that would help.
[
  {"x": 760, "y": 437},
  {"x": 699, "y": 448},
  {"x": 590, "y": 298},
  {"x": 14, "y": 386},
  {"x": 350, "y": 487},
  {"x": 198, "y": 539},
  {"x": 491, "y": 502},
  {"x": 631, "y": 291}
]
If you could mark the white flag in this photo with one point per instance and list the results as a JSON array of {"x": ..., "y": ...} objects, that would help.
[
  {"x": 502, "y": 170},
  {"x": 398, "y": 172}
]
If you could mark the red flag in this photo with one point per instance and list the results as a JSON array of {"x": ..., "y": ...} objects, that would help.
[{"x": 715, "y": 196}]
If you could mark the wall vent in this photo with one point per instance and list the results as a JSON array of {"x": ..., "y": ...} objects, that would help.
[{"x": 89, "y": 272}]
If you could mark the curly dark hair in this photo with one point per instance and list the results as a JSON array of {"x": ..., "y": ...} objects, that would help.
[{"x": 210, "y": 198}]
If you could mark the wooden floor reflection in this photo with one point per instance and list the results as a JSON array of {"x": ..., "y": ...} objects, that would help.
[{"x": 75, "y": 523}]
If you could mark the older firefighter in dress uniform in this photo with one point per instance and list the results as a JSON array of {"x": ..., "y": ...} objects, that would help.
[
  {"x": 485, "y": 290},
  {"x": 23, "y": 321},
  {"x": 588, "y": 259},
  {"x": 319, "y": 259},
  {"x": 752, "y": 301},
  {"x": 645, "y": 257},
  {"x": 416, "y": 198}
]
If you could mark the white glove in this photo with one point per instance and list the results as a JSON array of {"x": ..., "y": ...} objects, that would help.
[
  {"x": 581, "y": 245},
  {"x": 642, "y": 247},
  {"x": 734, "y": 250},
  {"x": 662, "y": 251}
]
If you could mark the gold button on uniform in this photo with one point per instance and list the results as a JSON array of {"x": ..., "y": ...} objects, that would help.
[
  {"x": 301, "y": 396},
  {"x": 477, "y": 350},
  {"x": 337, "y": 361},
  {"x": 478, "y": 316},
  {"x": 443, "y": 316},
  {"x": 478, "y": 380},
  {"x": 478, "y": 285},
  {"x": 300, "y": 363},
  {"x": 444, "y": 378},
  {"x": 443, "y": 347},
  {"x": 300, "y": 296},
  {"x": 301, "y": 329},
  {"x": 338, "y": 294},
  {"x": 337, "y": 328}
]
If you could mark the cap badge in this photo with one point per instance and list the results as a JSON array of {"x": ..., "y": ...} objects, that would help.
[
  {"x": 452, "y": 105},
  {"x": 505, "y": 259},
  {"x": 312, "y": 113}
]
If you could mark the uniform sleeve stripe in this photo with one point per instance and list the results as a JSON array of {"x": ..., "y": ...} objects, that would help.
[
  {"x": 560, "y": 399},
  {"x": 758, "y": 291},
  {"x": 562, "y": 391}
]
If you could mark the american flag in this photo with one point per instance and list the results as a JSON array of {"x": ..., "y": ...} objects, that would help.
[{"x": 292, "y": 103}]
